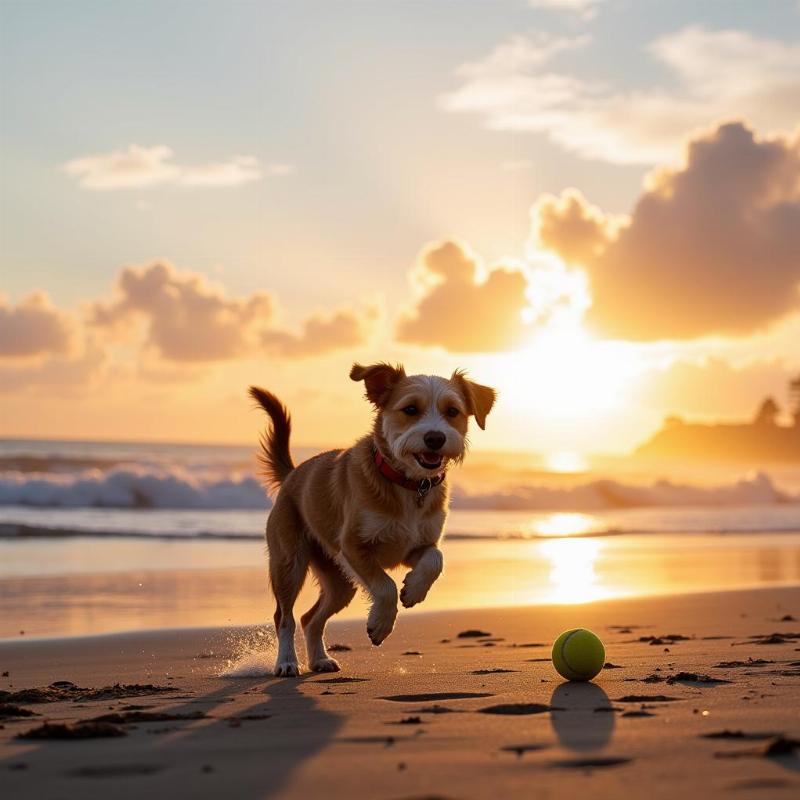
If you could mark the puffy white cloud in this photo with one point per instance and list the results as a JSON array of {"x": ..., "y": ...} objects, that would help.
[
  {"x": 715, "y": 75},
  {"x": 140, "y": 167}
]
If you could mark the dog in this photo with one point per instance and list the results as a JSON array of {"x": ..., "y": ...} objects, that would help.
[{"x": 349, "y": 515}]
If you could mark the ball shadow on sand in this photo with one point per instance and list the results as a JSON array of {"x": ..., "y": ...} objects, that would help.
[{"x": 583, "y": 719}]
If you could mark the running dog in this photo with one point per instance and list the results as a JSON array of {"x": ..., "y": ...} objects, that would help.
[{"x": 349, "y": 515}]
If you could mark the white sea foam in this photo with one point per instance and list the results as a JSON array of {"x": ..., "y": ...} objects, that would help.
[
  {"x": 606, "y": 494},
  {"x": 178, "y": 488},
  {"x": 133, "y": 488}
]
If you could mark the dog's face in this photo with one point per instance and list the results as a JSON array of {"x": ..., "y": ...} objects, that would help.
[{"x": 424, "y": 418}]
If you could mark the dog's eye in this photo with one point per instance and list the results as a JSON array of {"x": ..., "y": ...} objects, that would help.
[
  {"x": 453, "y": 411},
  {"x": 411, "y": 410}
]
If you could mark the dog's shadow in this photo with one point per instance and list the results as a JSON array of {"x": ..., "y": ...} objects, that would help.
[{"x": 252, "y": 752}]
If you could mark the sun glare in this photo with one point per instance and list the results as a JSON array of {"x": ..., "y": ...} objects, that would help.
[
  {"x": 573, "y": 577},
  {"x": 565, "y": 461},
  {"x": 565, "y": 524}
]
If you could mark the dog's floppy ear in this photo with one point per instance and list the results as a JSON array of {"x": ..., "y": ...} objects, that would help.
[
  {"x": 379, "y": 379},
  {"x": 480, "y": 399}
]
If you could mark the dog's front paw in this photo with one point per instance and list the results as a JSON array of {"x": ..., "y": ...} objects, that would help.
[
  {"x": 380, "y": 623},
  {"x": 324, "y": 665},
  {"x": 287, "y": 669},
  {"x": 415, "y": 589}
]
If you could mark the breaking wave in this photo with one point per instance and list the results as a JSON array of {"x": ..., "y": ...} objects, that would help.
[
  {"x": 133, "y": 488},
  {"x": 179, "y": 488},
  {"x": 606, "y": 494}
]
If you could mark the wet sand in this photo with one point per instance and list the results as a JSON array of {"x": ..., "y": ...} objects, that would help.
[{"x": 700, "y": 698}]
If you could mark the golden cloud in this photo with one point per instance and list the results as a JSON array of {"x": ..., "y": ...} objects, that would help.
[
  {"x": 187, "y": 319},
  {"x": 711, "y": 247},
  {"x": 34, "y": 327},
  {"x": 461, "y": 310}
]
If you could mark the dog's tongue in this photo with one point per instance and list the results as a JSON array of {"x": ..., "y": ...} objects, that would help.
[{"x": 433, "y": 459}]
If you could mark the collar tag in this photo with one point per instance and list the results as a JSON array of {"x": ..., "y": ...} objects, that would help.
[{"x": 424, "y": 486}]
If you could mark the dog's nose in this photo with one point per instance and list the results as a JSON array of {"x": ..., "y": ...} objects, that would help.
[{"x": 434, "y": 440}]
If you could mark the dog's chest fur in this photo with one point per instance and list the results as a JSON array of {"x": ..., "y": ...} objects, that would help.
[{"x": 396, "y": 535}]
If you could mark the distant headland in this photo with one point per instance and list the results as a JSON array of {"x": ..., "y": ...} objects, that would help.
[{"x": 763, "y": 438}]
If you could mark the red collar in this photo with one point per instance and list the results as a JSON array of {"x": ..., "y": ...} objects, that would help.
[{"x": 421, "y": 487}]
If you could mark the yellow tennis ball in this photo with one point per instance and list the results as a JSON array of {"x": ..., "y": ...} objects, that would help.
[{"x": 578, "y": 655}]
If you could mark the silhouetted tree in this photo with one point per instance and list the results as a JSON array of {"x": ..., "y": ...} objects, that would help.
[
  {"x": 794, "y": 400},
  {"x": 767, "y": 413}
]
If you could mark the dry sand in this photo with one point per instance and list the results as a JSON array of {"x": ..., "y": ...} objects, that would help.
[{"x": 409, "y": 720}]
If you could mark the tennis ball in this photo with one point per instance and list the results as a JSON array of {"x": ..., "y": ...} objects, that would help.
[{"x": 578, "y": 655}]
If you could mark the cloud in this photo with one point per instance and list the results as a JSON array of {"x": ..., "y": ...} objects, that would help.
[
  {"x": 187, "y": 319},
  {"x": 570, "y": 226},
  {"x": 712, "y": 75},
  {"x": 461, "y": 310},
  {"x": 587, "y": 9},
  {"x": 711, "y": 247},
  {"x": 140, "y": 167},
  {"x": 322, "y": 334},
  {"x": 35, "y": 327}
]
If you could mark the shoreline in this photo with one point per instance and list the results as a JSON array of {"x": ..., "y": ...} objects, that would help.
[
  {"x": 217, "y": 584},
  {"x": 359, "y": 614}
]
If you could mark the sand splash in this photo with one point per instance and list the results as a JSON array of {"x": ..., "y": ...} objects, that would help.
[{"x": 253, "y": 654}]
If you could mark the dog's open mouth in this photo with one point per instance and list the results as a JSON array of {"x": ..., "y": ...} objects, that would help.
[{"x": 429, "y": 460}]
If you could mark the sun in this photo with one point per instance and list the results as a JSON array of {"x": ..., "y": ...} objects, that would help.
[{"x": 565, "y": 376}]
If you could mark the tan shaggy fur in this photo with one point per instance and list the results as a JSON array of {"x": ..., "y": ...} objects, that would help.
[{"x": 339, "y": 516}]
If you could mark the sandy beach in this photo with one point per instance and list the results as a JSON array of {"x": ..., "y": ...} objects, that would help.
[{"x": 699, "y": 698}]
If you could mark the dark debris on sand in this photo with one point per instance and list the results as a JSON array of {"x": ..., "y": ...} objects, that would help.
[
  {"x": 646, "y": 698},
  {"x": 667, "y": 638},
  {"x": 78, "y": 730},
  {"x": 694, "y": 677},
  {"x": 751, "y": 662},
  {"x": 640, "y": 713},
  {"x": 9, "y": 711},
  {"x": 738, "y": 735},
  {"x": 777, "y": 637},
  {"x": 496, "y": 671},
  {"x": 774, "y": 747},
  {"x": 520, "y": 749},
  {"x": 66, "y": 690},
  {"x": 609, "y": 665},
  {"x": 339, "y": 648},
  {"x": 473, "y": 633}
]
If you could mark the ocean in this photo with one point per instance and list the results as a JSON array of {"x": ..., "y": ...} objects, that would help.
[{"x": 86, "y": 526}]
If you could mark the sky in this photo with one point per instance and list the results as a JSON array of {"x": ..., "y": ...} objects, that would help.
[{"x": 592, "y": 205}]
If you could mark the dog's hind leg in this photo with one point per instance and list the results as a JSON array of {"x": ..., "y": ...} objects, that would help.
[
  {"x": 288, "y": 563},
  {"x": 335, "y": 593}
]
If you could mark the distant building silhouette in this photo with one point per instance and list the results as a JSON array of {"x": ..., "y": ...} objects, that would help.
[{"x": 764, "y": 439}]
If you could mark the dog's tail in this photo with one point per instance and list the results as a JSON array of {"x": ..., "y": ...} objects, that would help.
[{"x": 274, "y": 459}]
